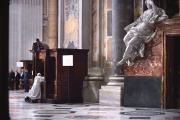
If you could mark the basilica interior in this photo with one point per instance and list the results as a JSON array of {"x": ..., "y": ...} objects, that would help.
[{"x": 78, "y": 46}]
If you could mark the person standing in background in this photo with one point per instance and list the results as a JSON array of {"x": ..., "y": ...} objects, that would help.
[
  {"x": 11, "y": 80},
  {"x": 17, "y": 79},
  {"x": 25, "y": 77}
]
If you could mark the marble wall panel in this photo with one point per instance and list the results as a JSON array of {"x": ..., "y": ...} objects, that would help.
[{"x": 71, "y": 23}]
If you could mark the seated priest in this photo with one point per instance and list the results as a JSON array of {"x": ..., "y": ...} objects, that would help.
[
  {"x": 35, "y": 91},
  {"x": 37, "y": 46}
]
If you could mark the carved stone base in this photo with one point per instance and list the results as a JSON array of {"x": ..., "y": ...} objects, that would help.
[
  {"x": 116, "y": 80},
  {"x": 92, "y": 84},
  {"x": 112, "y": 94},
  {"x": 91, "y": 89}
]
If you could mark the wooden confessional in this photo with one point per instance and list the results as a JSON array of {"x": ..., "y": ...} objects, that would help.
[{"x": 64, "y": 71}]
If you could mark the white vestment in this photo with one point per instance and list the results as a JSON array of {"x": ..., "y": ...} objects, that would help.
[{"x": 35, "y": 91}]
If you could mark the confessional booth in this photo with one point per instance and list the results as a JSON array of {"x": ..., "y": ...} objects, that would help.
[{"x": 64, "y": 71}]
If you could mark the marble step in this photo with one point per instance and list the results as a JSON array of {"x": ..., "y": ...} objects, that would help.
[
  {"x": 108, "y": 87},
  {"x": 111, "y": 95}
]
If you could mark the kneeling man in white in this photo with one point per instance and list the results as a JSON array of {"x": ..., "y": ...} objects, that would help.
[{"x": 35, "y": 91}]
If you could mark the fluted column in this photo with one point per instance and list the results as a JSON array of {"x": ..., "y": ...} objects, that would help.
[
  {"x": 52, "y": 23},
  {"x": 122, "y": 15}
]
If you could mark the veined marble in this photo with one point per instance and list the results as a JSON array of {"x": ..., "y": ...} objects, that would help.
[{"x": 20, "y": 110}]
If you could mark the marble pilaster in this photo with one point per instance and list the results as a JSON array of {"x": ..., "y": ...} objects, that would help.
[
  {"x": 52, "y": 23},
  {"x": 122, "y": 15}
]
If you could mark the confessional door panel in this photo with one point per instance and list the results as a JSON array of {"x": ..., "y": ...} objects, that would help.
[
  {"x": 172, "y": 72},
  {"x": 50, "y": 76},
  {"x": 177, "y": 72}
]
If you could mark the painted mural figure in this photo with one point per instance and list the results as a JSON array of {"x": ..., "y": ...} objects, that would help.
[{"x": 140, "y": 32}]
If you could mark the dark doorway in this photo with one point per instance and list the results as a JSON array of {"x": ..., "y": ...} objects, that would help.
[{"x": 173, "y": 71}]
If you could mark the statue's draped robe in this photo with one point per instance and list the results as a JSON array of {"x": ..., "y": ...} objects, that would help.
[{"x": 140, "y": 32}]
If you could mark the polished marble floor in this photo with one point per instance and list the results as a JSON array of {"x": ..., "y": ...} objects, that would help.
[{"x": 20, "y": 110}]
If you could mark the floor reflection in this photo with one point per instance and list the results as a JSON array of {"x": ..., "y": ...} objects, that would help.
[{"x": 20, "y": 110}]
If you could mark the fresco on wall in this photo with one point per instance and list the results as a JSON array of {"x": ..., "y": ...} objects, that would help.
[{"x": 71, "y": 24}]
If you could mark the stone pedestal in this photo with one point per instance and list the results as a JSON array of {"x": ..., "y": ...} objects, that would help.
[
  {"x": 92, "y": 84},
  {"x": 116, "y": 80},
  {"x": 112, "y": 93},
  {"x": 91, "y": 88}
]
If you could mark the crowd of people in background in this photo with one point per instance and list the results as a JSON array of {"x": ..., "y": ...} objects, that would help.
[{"x": 19, "y": 79}]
